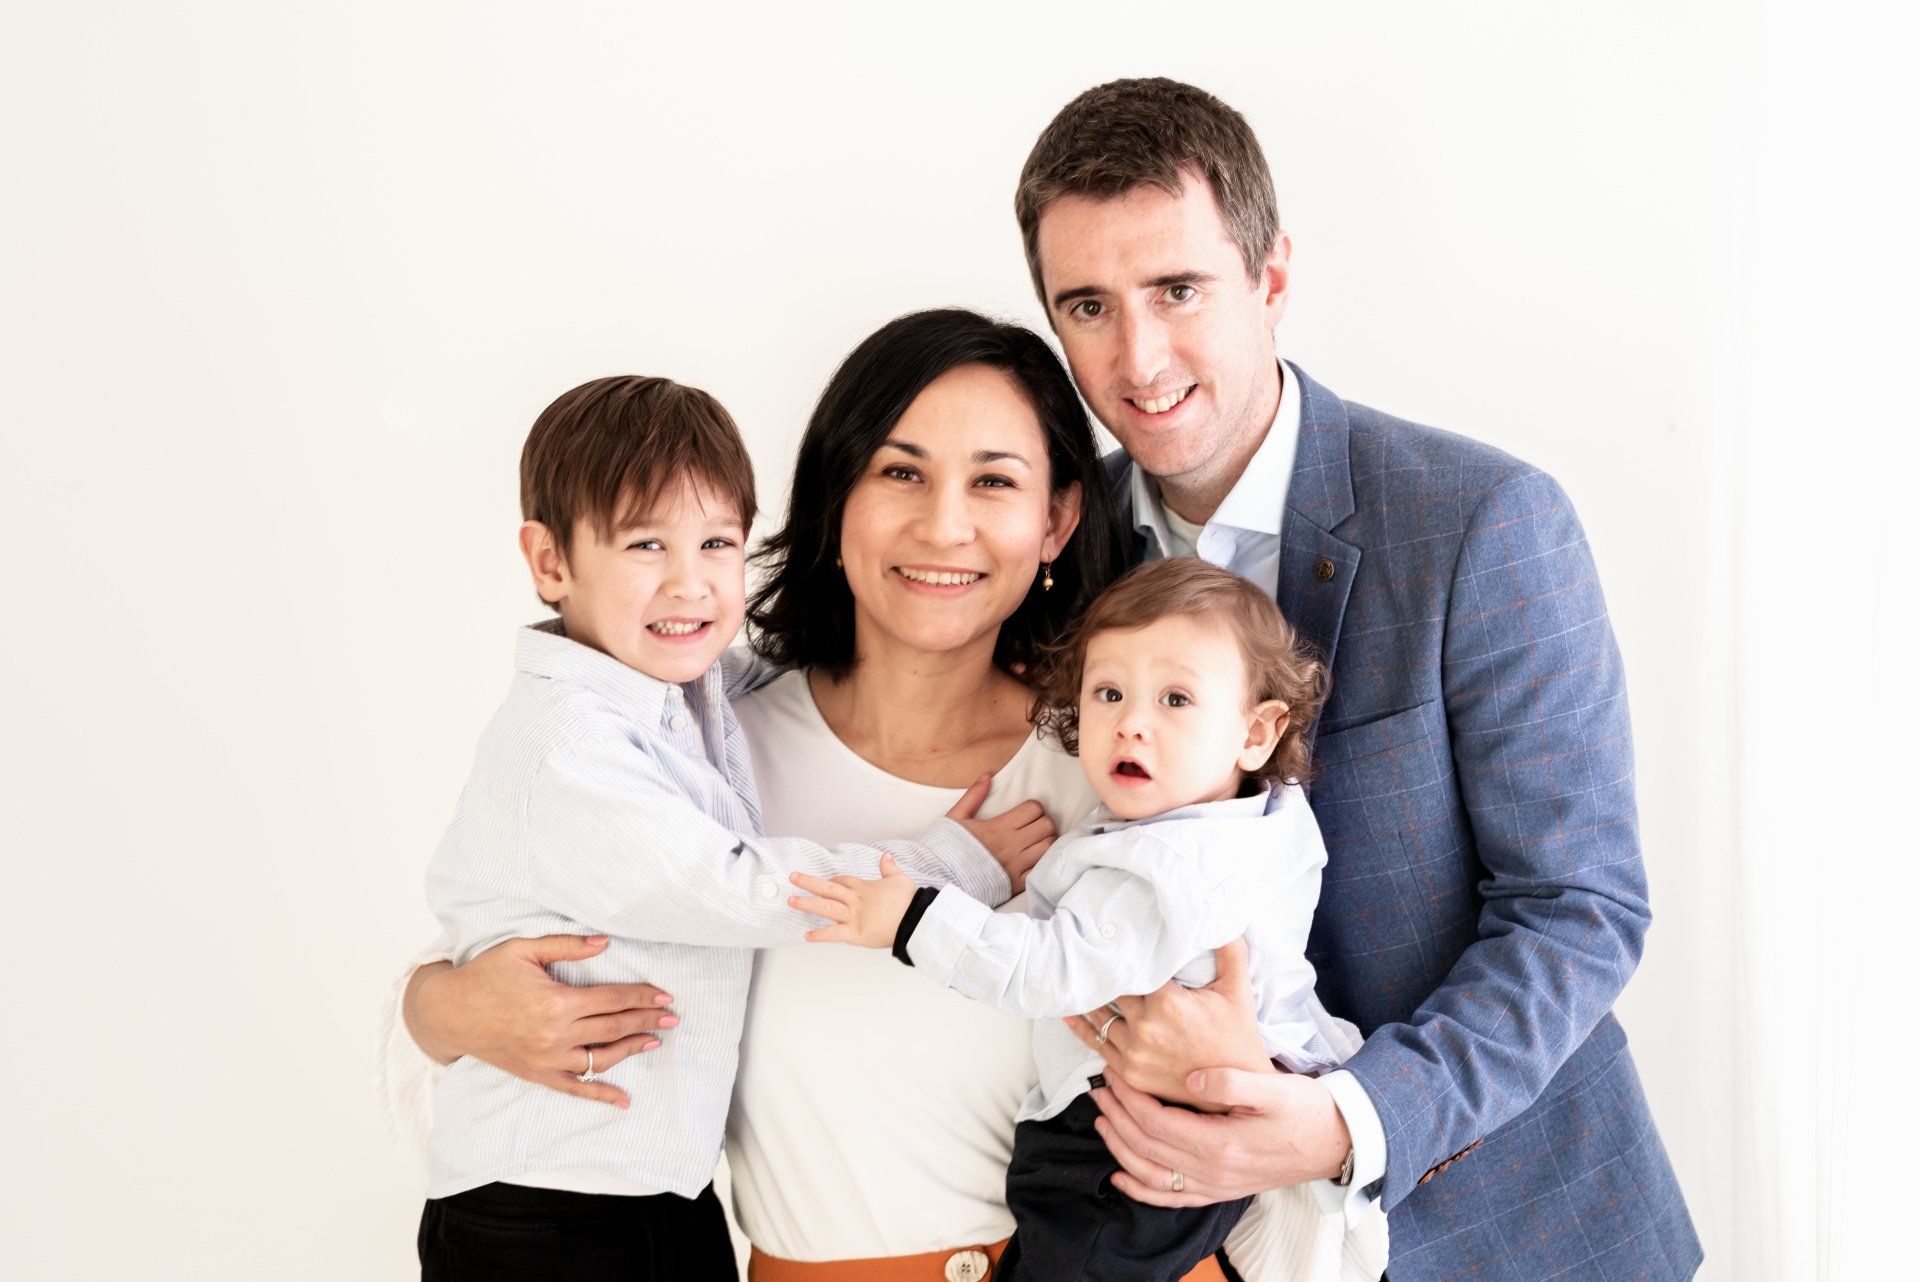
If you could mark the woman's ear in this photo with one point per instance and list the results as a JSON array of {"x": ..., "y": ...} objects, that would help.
[
  {"x": 1266, "y": 724},
  {"x": 1063, "y": 518},
  {"x": 545, "y": 561}
]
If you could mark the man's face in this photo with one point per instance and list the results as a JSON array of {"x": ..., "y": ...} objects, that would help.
[{"x": 1171, "y": 344}]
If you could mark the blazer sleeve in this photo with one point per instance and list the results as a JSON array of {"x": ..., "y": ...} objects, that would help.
[{"x": 1536, "y": 709}]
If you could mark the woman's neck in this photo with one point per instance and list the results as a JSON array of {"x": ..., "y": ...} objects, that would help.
[{"x": 940, "y": 719}]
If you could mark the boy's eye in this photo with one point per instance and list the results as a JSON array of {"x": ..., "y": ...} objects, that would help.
[
  {"x": 644, "y": 545},
  {"x": 1106, "y": 694},
  {"x": 1175, "y": 699},
  {"x": 717, "y": 542}
]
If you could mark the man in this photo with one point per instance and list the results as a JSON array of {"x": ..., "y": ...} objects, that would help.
[{"x": 1484, "y": 901}]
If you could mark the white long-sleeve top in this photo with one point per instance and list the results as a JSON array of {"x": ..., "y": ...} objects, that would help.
[
  {"x": 605, "y": 801},
  {"x": 1122, "y": 906}
]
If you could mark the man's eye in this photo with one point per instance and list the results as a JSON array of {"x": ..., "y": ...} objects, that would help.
[
  {"x": 1174, "y": 699},
  {"x": 1086, "y": 309},
  {"x": 1179, "y": 293}
]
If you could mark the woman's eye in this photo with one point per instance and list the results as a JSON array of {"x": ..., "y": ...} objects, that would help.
[
  {"x": 899, "y": 472},
  {"x": 1174, "y": 699},
  {"x": 995, "y": 482}
]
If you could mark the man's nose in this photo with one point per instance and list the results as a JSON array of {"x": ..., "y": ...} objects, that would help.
[{"x": 1143, "y": 349}]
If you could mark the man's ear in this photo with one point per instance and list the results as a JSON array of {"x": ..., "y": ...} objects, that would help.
[
  {"x": 1268, "y": 722},
  {"x": 1276, "y": 279},
  {"x": 1063, "y": 518},
  {"x": 545, "y": 560}
]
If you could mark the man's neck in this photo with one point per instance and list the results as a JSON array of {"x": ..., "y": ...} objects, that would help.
[{"x": 1195, "y": 496}]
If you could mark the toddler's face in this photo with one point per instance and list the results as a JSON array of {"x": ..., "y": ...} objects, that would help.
[
  {"x": 666, "y": 594},
  {"x": 1166, "y": 719}
]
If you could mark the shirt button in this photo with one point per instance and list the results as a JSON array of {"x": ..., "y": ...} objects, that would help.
[
  {"x": 1108, "y": 930},
  {"x": 966, "y": 1266},
  {"x": 768, "y": 888},
  {"x": 677, "y": 722}
]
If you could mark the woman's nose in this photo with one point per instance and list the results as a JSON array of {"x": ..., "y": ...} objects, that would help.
[{"x": 946, "y": 519}]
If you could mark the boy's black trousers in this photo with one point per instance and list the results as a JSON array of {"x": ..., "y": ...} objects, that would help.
[
  {"x": 1070, "y": 1222},
  {"x": 515, "y": 1234}
]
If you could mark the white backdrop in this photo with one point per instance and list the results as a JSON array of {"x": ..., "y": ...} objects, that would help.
[{"x": 285, "y": 286}]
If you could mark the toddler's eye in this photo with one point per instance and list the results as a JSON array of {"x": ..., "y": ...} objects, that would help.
[
  {"x": 1174, "y": 699},
  {"x": 1106, "y": 694}
]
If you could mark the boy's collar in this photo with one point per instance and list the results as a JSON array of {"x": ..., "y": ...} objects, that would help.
[
  {"x": 1103, "y": 820},
  {"x": 544, "y": 650}
]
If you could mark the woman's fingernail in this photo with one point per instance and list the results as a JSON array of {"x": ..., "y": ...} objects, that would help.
[
  {"x": 663, "y": 999},
  {"x": 669, "y": 1021}
]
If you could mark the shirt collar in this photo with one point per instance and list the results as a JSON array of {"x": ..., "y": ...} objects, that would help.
[
  {"x": 544, "y": 650},
  {"x": 1257, "y": 501},
  {"x": 1252, "y": 806}
]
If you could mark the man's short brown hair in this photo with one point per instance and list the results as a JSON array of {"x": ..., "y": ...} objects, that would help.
[
  {"x": 1280, "y": 665},
  {"x": 1131, "y": 133},
  {"x": 606, "y": 451}
]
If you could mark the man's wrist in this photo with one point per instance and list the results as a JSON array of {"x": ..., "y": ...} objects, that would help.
[{"x": 1335, "y": 1150}]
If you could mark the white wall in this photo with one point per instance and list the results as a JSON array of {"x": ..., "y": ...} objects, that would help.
[{"x": 286, "y": 285}]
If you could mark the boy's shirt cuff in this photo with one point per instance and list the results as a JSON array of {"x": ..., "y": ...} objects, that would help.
[
  {"x": 1369, "y": 1150},
  {"x": 408, "y": 1074},
  {"x": 947, "y": 929}
]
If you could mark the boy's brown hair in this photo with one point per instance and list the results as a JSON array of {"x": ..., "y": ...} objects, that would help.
[
  {"x": 606, "y": 451},
  {"x": 1280, "y": 665},
  {"x": 1131, "y": 133}
]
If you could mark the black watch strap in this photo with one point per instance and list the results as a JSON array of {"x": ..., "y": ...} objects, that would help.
[{"x": 922, "y": 900}]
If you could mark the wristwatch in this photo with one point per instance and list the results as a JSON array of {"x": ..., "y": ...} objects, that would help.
[{"x": 1345, "y": 1178}]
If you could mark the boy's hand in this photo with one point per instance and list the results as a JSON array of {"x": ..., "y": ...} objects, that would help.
[
  {"x": 865, "y": 912},
  {"x": 1016, "y": 839}
]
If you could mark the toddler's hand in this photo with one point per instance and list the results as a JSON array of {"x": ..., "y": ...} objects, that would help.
[
  {"x": 1016, "y": 839},
  {"x": 865, "y": 912}
]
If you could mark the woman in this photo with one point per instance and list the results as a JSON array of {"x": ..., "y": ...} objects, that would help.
[{"x": 930, "y": 551}]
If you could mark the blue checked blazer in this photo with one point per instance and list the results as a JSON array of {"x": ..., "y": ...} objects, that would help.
[{"x": 1484, "y": 900}]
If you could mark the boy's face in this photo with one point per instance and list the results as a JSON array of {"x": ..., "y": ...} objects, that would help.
[
  {"x": 1166, "y": 719},
  {"x": 665, "y": 595}
]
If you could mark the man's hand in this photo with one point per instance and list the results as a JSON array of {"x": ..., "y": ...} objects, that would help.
[
  {"x": 503, "y": 1007},
  {"x": 865, "y": 912},
  {"x": 1016, "y": 839},
  {"x": 1279, "y": 1129},
  {"x": 1164, "y": 1036}
]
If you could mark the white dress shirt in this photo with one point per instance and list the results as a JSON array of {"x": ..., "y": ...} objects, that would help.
[{"x": 1243, "y": 535}]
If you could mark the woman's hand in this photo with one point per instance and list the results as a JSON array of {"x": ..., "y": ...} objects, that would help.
[
  {"x": 1016, "y": 839},
  {"x": 503, "y": 1007},
  {"x": 1164, "y": 1036},
  {"x": 864, "y": 912}
]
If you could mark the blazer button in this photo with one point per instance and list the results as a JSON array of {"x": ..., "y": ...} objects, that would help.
[
  {"x": 966, "y": 1266},
  {"x": 1323, "y": 570}
]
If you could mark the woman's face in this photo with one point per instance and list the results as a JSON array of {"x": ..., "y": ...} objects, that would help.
[{"x": 945, "y": 530}]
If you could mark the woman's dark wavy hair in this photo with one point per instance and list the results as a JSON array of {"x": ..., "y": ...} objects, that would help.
[{"x": 802, "y": 613}]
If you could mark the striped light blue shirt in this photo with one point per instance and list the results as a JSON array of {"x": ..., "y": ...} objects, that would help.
[
  {"x": 1119, "y": 906},
  {"x": 605, "y": 801}
]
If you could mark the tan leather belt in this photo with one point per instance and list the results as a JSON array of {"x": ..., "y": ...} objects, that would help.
[{"x": 967, "y": 1264}]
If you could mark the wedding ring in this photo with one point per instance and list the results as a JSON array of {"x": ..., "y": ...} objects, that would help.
[
  {"x": 1100, "y": 1037},
  {"x": 1179, "y": 1182},
  {"x": 589, "y": 1075}
]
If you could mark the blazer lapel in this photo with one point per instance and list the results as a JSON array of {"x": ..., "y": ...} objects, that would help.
[{"x": 1316, "y": 568}]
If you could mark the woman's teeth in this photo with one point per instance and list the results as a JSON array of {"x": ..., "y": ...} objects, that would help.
[
  {"x": 941, "y": 578},
  {"x": 1165, "y": 403},
  {"x": 675, "y": 629}
]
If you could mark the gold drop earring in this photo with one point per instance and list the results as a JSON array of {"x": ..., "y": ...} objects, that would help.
[{"x": 1046, "y": 576}]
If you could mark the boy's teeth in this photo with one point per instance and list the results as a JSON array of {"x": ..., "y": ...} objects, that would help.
[
  {"x": 1165, "y": 403},
  {"x": 942, "y": 578},
  {"x": 675, "y": 629}
]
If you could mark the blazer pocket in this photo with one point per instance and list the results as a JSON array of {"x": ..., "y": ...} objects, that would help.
[{"x": 1421, "y": 725}]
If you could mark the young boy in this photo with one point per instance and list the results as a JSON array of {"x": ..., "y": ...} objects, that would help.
[
  {"x": 1187, "y": 698},
  {"x": 611, "y": 793}
]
